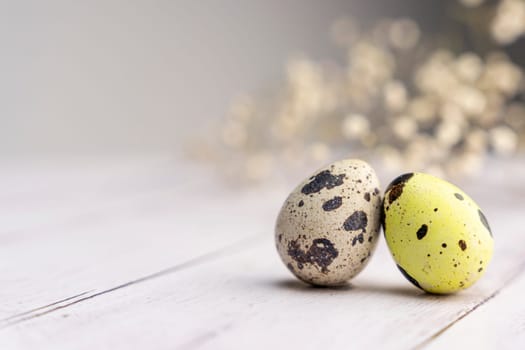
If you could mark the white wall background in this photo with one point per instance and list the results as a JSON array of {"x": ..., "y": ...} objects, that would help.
[{"x": 137, "y": 76}]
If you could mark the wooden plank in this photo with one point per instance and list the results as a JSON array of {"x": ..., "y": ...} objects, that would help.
[
  {"x": 36, "y": 193},
  {"x": 248, "y": 299},
  {"x": 147, "y": 237},
  {"x": 497, "y": 324},
  {"x": 129, "y": 226},
  {"x": 158, "y": 275}
]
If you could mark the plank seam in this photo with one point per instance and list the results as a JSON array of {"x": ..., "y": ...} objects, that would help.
[
  {"x": 45, "y": 306},
  {"x": 440, "y": 332},
  {"x": 202, "y": 259}
]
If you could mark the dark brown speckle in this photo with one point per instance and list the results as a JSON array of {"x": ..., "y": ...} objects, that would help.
[
  {"x": 333, "y": 203},
  {"x": 358, "y": 238},
  {"x": 395, "y": 189},
  {"x": 321, "y": 254},
  {"x": 422, "y": 231},
  {"x": 357, "y": 221},
  {"x": 324, "y": 179}
]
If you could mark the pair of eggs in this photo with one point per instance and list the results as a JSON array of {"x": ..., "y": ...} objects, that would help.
[{"x": 328, "y": 228}]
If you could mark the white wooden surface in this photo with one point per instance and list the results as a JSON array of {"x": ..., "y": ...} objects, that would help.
[{"x": 150, "y": 253}]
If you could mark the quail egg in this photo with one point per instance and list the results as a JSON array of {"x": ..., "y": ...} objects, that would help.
[
  {"x": 328, "y": 226},
  {"x": 438, "y": 236}
]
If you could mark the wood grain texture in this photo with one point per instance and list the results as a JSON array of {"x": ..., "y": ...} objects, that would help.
[
  {"x": 36, "y": 194},
  {"x": 121, "y": 236},
  {"x": 191, "y": 267},
  {"x": 249, "y": 300},
  {"x": 497, "y": 324}
]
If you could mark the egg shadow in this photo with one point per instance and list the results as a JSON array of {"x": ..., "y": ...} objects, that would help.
[
  {"x": 397, "y": 290},
  {"x": 359, "y": 287},
  {"x": 298, "y": 286}
]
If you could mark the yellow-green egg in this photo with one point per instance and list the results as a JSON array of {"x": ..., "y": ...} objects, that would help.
[{"x": 438, "y": 236}]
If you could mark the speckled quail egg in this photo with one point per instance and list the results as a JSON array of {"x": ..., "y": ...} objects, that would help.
[
  {"x": 438, "y": 236},
  {"x": 328, "y": 226}
]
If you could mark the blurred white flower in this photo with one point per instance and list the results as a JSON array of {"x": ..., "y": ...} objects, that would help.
[
  {"x": 448, "y": 133},
  {"x": 319, "y": 152},
  {"x": 404, "y": 127},
  {"x": 354, "y": 126},
  {"x": 395, "y": 95},
  {"x": 468, "y": 67},
  {"x": 471, "y": 100},
  {"x": 259, "y": 166},
  {"x": 416, "y": 107},
  {"x": 471, "y": 3},
  {"x": 509, "y": 23},
  {"x": 502, "y": 75},
  {"x": 234, "y": 135},
  {"x": 503, "y": 139},
  {"x": 404, "y": 34}
]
